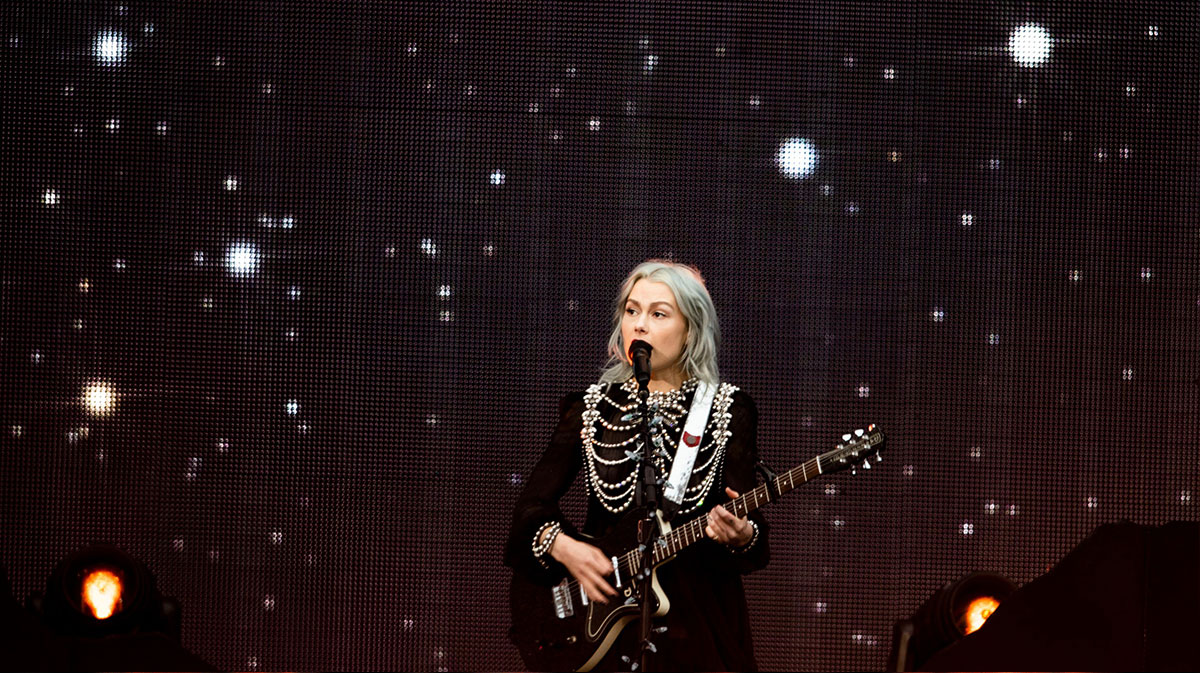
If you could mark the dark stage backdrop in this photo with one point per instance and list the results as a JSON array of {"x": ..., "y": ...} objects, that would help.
[{"x": 290, "y": 292}]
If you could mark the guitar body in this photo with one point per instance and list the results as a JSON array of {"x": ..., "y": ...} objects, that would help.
[{"x": 554, "y": 629}]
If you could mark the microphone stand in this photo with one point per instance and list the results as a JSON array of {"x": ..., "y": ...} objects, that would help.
[{"x": 649, "y": 535}]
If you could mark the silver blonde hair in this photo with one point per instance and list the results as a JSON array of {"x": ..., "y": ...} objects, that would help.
[{"x": 703, "y": 332}]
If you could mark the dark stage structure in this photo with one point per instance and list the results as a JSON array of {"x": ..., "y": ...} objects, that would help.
[{"x": 289, "y": 293}]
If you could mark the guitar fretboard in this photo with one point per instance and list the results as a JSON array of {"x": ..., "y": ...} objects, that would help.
[{"x": 679, "y": 538}]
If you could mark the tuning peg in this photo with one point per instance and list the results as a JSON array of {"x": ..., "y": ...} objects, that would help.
[
  {"x": 846, "y": 437},
  {"x": 858, "y": 432},
  {"x": 867, "y": 464},
  {"x": 879, "y": 457}
]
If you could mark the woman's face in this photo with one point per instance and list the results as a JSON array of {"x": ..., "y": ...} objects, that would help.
[{"x": 651, "y": 315}]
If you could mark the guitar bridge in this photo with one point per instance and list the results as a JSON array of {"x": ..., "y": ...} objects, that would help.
[{"x": 563, "y": 605}]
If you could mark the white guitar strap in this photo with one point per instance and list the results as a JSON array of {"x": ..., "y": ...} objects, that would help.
[{"x": 689, "y": 442}]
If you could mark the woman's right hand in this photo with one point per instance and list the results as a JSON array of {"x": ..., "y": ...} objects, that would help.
[{"x": 587, "y": 564}]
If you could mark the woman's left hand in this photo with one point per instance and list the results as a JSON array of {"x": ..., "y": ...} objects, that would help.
[{"x": 726, "y": 528}]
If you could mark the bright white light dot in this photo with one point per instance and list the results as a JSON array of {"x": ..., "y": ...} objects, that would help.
[
  {"x": 113, "y": 125},
  {"x": 444, "y": 292},
  {"x": 1030, "y": 45},
  {"x": 889, "y": 73},
  {"x": 432, "y": 419},
  {"x": 193, "y": 468},
  {"x": 938, "y": 314},
  {"x": 287, "y": 222},
  {"x": 276, "y": 537},
  {"x": 78, "y": 324},
  {"x": 594, "y": 124},
  {"x": 556, "y": 135},
  {"x": 755, "y": 101},
  {"x": 148, "y": 28},
  {"x": 497, "y": 177},
  {"x": 268, "y": 602},
  {"x": 630, "y": 107},
  {"x": 573, "y": 305},
  {"x": 291, "y": 334},
  {"x": 994, "y": 164},
  {"x": 412, "y": 48},
  {"x": 571, "y": 71},
  {"x": 99, "y": 398},
  {"x": 119, "y": 264},
  {"x": 515, "y": 479},
  {"x": 838, "y": 524},
  {"x": 85, "y": 285},
  {"x": 864, "y": 390},
  {"x": 16, "y": 430},
  {"x": 797, "y": 158},
  {"x": 908, "y": 470},
  {"x": 231, "y": 183},
  {"x": 268, "y": 88},
  {"x": 1125, "y": 152},
  {"x": 831, "y": 490},
  {"x": 489, "y": 250},
  {"x": 1020, "y": 101},
  {"x": 848, "y": 61},
  {"x": 429, "y": 247},
  {"x": 242, "y": 259},
  {"x": 649, "y": 63},
  {"x": 852, "y": 208},
  {"x": 975, "y": 453},
  {"x": 1185, "y": 496},
  {"x": 50, "y": 197},
  {"x": 1146, "y": 273},
  {"x": 294, "y": 292},
  {"x": 1092, "y": 502},
  {"x": 292, "y": 407},
  {"x": 77, "y": 129},
  {"x": 1074, "y": 275},
  {"x": 222, "y": 445},
  {"x": 968, "y": 528},
  {"x": 993, "y": 339},
  {"x": 207, "y": 303},
  {"x": 218, "y": 61},
  {"x": 1152, "y": 31},
  {"x": 820, "y": 607},
  {"x": 111, "y": 47},
  {"x": 177, "y": 544},
  {"x": 535, "y": 108},
  {"x": 1101, "y": 154},
  {"x": 1012, "y": 510},
  {"x": 446, "y": 316},
  {"x": 826, "y": 190},
  {"x": 1127, "y": 374},
  {"x": 968, "y": 219},
  {"x": 161, "y": 128},
  {"x": 991, "y": 507},
  {"x": 1068, "y": 136},
  {"x": 1130, "y": 88}
]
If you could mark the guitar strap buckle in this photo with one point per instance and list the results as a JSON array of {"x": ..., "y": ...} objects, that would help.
[{"x": 769, "y": 477}]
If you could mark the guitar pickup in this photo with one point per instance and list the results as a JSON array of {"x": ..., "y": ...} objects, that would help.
[{"x": 563, "y": 605}]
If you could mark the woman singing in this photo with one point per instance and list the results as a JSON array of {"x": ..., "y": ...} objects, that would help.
[{"x": 667, "y": 306}]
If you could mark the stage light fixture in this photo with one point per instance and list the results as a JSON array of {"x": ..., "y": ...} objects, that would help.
[{"x": 957, "y": 609}]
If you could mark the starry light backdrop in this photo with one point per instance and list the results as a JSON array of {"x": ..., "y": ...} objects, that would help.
[{"x": 290, "y": 292}]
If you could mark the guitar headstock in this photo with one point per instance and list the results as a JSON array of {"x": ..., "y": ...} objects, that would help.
[{"x": 855, "y": 448}]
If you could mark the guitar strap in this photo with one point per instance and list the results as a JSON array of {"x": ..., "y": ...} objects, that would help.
[{"x": 689, "y": 446}]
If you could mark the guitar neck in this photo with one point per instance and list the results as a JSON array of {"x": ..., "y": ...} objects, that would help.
[{"x": 685, "y": 535}]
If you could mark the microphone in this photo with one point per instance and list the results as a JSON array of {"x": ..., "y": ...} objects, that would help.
[{"x": 639, "y": 355}]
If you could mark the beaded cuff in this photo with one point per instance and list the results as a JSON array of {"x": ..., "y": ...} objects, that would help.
[
  {"x": 542, "y": 547},
  {"x": 753, "y": 539}
]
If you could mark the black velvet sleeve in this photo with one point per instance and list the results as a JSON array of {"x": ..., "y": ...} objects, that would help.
[
  {"x": 740, "y": 459},
  {"x": 551, "y": 478}
]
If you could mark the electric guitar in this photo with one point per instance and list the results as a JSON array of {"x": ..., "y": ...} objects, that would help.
[{"x": 557, "y": 628}]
